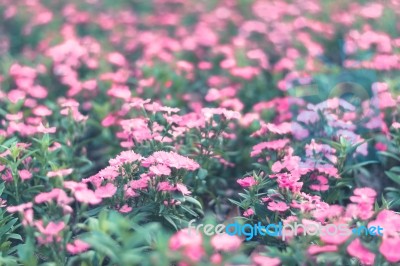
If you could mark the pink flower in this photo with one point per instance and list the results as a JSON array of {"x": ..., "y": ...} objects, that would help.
[
  {"x": 160, "y": 169},
  {"x": 42, "y": 110},
  {"x": 272, "y": 145},
  {"x": 125, "y": 157},
  {"x": 189, "y": 242},
  {"x": 78, "y": 246},
  {"x": 165, "y": 186},
  {"x": 334, "y": 239},
  {"x": 225, "y": 242},
  {"x": 183, "y": 189},
  {"x": 357, "y": 250},
  {"x": 278, "y": 206},
  {"x": 247, "y": 181},
  {"x": 141, "y": 183},
  {"x": 260, "y": 260},
  {"x": 117, "y": 59},
  {"x": 87, "y": 196},
  {"x": 25, "y": 174},
  {"x": 106, "y": 191},
  {"x": 20, "y": 208},
  {"x": 3, "y": 203},
  {"x": 380, "y": 146},
  {"x": 314, "y": 249},
  {"x": 42, "y": 129},
  {"x": 49, "y": 233},
  {"x": 60, "y": 172},
  {"x": 363, "y": 195},
  {"x": 396, "y": 125},
  {"x": 57, "y": 194},
  {"x": 125, "y": 209},
  {"x": 248, "y": 212},
  {"x": 322, "y": 184},
  {"x": 172, "y": 160},
  {"x": 390, "y": 248}
]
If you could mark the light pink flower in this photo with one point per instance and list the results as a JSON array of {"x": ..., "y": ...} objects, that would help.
[
  {"x": 106, "y": 191},
  {"x": 260, "y": 260},
  {"x": 183, "y": 189},
  {"x": 160, "y": 169},
  {"x": 42, "y": 129},
  {"x": 225, "y": 242},
  {"x": 172, "y": 160},
  {"x": 363, "y": 195},
  {"x": 60, "y": 172},
  {"x": 189, "y": 242}
]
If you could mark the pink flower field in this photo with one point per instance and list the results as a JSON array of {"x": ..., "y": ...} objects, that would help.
[{"x": 199, "y": 132}]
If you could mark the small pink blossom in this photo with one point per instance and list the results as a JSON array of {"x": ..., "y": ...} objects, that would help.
[
  {"x": 248, "y": 213},
  {"x": 25, "y": 174},
  {"x": 78, "y": 246},
  {"x": 125, "y": 209},
  {"x": 247, "y": 181}
]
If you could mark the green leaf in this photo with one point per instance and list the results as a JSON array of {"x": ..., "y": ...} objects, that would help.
[
  {"x": 202, "y": 173},
  {"x": 393, "y": 176}
]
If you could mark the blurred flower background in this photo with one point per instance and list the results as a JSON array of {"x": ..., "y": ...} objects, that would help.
[{"x": 121, "y": 121}]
